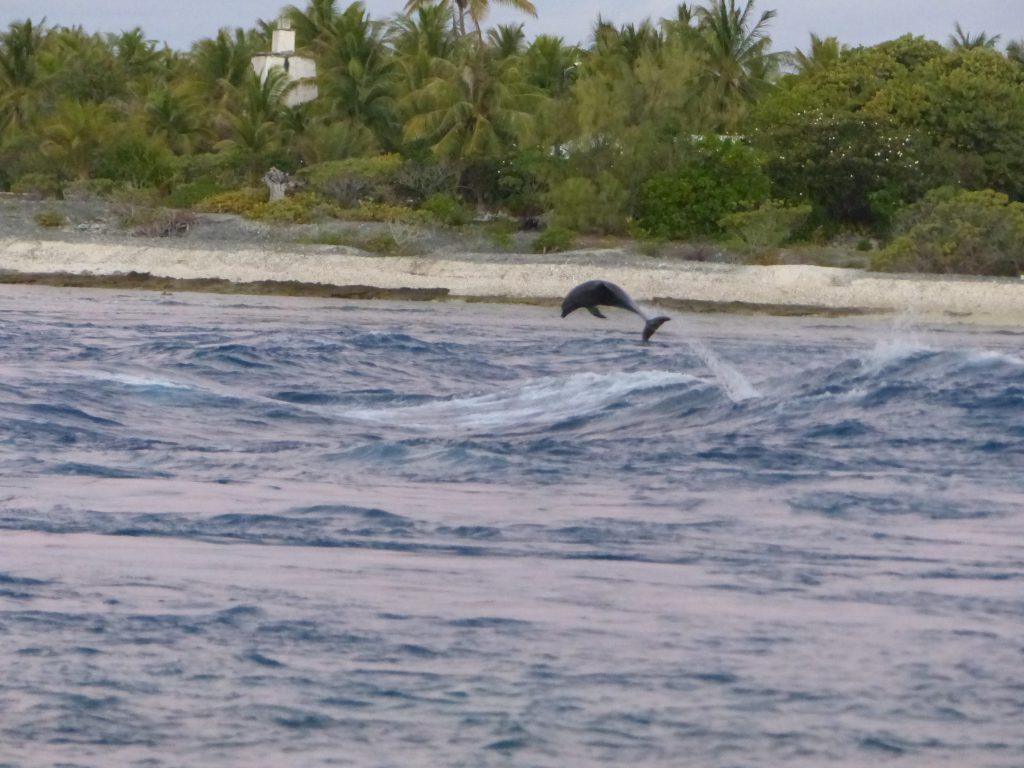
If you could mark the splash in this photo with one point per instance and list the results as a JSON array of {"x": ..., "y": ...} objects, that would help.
[
  {"x": 534, "y": 403},
  {"x": 735, "y": 385}
]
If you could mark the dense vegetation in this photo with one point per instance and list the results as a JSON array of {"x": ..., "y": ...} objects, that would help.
[{"x": 685, "y": 128}]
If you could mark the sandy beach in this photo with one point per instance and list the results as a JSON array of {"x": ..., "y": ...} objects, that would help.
[{"x": 243, "y": 253}]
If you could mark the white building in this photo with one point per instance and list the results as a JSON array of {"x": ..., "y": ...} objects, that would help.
[{"x": 300, "y": 70}]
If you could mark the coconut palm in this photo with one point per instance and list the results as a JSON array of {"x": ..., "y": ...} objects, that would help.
[
  {"x": 222, "y": 62},
  {"x": 507, "y": 40},
  {"x": 628, "y": 42},
  {"x": 476, "y": 106},
  {"x": 74, "y": 135},
  {"x": 418, "y": 40},
  {"x": 962, "y": 40},
  {"x": 252, "y": 121},
  {"x": 173, "y": 114},
  {"x": 313, "y": 23},
  {"x": 1015, "y": 51},
  {"x": 476, "y": 10},
  {"x": 824, "y": 53},
  {"x": 19, "y": 74},
  {"x": 358, "y": 74},
  {"x": 737, "y": 63},
  {"x": 551, "y": 65}
]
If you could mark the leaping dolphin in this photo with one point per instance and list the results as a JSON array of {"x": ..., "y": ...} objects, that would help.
[{"x": 591, "y": 294}]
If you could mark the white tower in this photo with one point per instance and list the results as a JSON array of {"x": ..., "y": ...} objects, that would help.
[{"x": 300, "y": 70}]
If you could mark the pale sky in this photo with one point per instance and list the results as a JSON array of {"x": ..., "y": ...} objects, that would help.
[{"x": 864, "y": 22}]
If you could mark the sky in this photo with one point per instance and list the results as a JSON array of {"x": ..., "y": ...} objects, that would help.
[{"x": 865, "y": 22}]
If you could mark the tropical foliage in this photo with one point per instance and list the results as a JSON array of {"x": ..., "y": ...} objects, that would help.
[{"x": 684, "y": 127}]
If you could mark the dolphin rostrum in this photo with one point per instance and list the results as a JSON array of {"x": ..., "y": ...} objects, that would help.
[{"x": 591, "y": 294}]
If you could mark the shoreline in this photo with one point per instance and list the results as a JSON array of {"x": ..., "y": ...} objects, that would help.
[{"x": 344, "y": 272}]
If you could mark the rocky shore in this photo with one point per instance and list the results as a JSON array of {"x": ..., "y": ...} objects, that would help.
[{"x": 226, "y": 254}]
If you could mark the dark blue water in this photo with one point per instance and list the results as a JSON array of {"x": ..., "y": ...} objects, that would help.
[{"x": 282, "y": 532}]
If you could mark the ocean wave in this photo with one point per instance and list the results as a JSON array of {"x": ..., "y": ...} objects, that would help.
[{"x": 544, "y": 402}]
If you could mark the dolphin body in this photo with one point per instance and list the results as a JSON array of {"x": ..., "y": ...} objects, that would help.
[{"x": 594, "y": 293}]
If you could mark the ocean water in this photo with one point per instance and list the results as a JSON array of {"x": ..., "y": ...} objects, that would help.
[{"x": 241, "y": 531}]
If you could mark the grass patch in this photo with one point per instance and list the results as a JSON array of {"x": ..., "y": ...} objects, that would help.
[{"x": 51, "y": 219}]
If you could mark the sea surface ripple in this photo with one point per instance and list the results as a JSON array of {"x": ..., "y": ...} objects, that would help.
[{"x": 243, "y": 531}]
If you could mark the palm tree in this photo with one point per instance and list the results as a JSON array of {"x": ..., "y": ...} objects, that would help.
[
  {"x": 137, "y": 55},
  {"x": 738, "y": 65},
  {"x": 313, "y": 23},
  {"x": 75, "y": 134},
  {"x": 551, "y": 65},
  {"x": 1015, "y": 51},
  {"x": 222, "y": 62},
  {"x": 823, "y": 54},
  {"x": 476, "y": 106},
  {"x": 628, "y": 42},
  {"x": 173, "y": 115},
  {"x": 420, "y": 40},
  {"x": 358, "y": 74},
  {"x": 19, "y": 74},
  {"x": 507, "y": 39},
  {"x": 252, "y": 120},
  {"x": 476, "y": 10},
  {"x": 962, "y": 40}
]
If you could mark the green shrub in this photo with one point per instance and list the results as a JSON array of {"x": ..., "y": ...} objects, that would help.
[
  {"x": 523, "y": 186},
  {"x": 770, "y": 225},
  {"x": 554, "y": 240},
  {"x": 349, "y": 182},
  {"x": 721, "y": 177},
  {"x": 956, "y": 231},
  {"x": 295, "y": 209},
  {"x": 243, "y": 202},
  {"x": 386, "y": 212},
  {"x": 157, "y": 222},
  {"x": 501, "y": 234},
  {"x": 192, "y": 193},
  {"x": 446, "y": 209},
  {"x": 593, "y": 206},
  {"x": 38, "y": 185},
  {"x": 136, "y": 159},
  {"x": 384, "y": 243},
  {"x": 50, "y": 219},
  {"x": 650, "y": 246},
  {"x": 419, "y": 180}
]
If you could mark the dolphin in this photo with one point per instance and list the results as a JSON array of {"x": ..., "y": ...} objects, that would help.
[{"x": 592, "y": 293}]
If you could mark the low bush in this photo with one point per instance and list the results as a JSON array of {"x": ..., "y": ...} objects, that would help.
[
  {"x": 136, "y": 159},
  {"x": 154, "y": 221},
  {"x": 37, "y": 185},
  {"x": 593, "y": 206},
  {"x": 957, "y": 231},
  {"x": 242, "y": 202},
  {"x": 419, "y": 180},
  {"x": 769, "y": 226},
  {"x": 446, "y": 209},
  {"x": 719, "y": 178},
  {"x": 554, "y": 240},
  {"x": 50, "y": 219},
  {"x": 387, "y": 212},
  {"x": 191, "y": 193},
  {"x": 355, "y": 180},
  {"x": 302, "y": 208},
  {"x": 501, "y": 234},
  {"x": 391, "y": 243}
]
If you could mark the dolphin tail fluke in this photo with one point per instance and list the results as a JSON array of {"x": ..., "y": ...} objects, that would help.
[{"x": 654, "y": 324}]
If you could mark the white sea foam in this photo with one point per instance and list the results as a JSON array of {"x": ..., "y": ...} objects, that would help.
[
  {"x": 142, "y": 382},
  {"x": 983, "y": 358},
  {"x": 735, "y": 385},
  {"x": 532, "y": 403}
]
